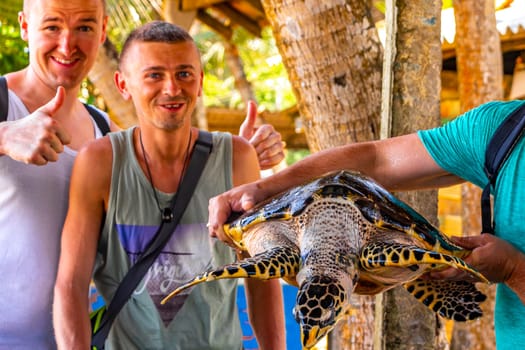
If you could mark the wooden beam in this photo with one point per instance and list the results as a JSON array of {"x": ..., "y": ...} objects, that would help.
[
  {"x": 252, "y": 9},
  {"x": 172, "y": 13},
  {"x": 191, "y": 5},
  {"x": 223, "y": 119},
  {"x": 510, "y": 41},
  {"x": 216, "y": 25},
  {"x": 256, "y": 4},
  {"x": 238, "y": 18}
]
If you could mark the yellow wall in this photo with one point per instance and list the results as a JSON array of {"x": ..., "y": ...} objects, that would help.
[{"x": 449, "y": 210}]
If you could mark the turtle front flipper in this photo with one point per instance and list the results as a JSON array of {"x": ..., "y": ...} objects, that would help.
[
  {"x": 455, "y": 300},
  {"x": 278, "y": 262},
  {"x": 378, "y": 256}
]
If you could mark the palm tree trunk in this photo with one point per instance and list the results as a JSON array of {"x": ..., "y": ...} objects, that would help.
[
  {"x": 333, "y": 57},
  {"x": 408, "y": 324},
  {"x": 122, "y": 112},
  {"x": 478, "y": 54}
]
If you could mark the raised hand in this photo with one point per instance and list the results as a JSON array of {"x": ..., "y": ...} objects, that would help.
[
  {"x": 265, "y": 139},
  {"x": 38, "y": 138}
]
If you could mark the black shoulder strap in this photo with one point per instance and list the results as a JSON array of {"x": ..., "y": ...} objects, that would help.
[
  {"x": 4, "y": 103},
  {"x": 202, "y": 149},
  {"x": 498, "y": 150},
  {"x": 4, "y": 108},
  {"x": 98, "y": 118}
]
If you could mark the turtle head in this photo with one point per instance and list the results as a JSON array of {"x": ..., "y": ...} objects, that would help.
[
  {"x": 321, "y": 302},
  {"x": 326, "y": 282}
]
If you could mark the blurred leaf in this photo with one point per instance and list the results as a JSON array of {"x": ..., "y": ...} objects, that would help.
[{"x": 13, "y": 55}]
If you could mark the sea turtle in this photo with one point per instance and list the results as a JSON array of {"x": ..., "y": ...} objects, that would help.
[{"x": 340, "y": 234}]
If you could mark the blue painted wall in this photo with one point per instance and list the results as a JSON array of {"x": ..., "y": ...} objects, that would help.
[{"x": 293, "y": 335}]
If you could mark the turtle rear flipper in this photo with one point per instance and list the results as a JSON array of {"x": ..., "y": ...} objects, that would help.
[
  {"x": 278, "y": 262},
  {"x": 455, "y": 300}
]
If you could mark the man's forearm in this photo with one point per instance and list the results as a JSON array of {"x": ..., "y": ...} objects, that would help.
[
  {"x": 313, "y": 166},
  {"x": 71, "y": 323},
  {"x": 266, "y": 312}
]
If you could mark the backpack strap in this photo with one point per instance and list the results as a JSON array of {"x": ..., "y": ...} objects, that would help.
[
  {"x": 498, "y": 150},
  {"x": 98, "y": 118},
  {"x": 4, "y": 103},
  {"x": 4, "y": 109}
]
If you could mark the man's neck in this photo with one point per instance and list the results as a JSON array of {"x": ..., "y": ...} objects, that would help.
[{"x": 34, "y": 93}]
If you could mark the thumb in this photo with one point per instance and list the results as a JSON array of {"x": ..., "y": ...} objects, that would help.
[
  {"x": 55, "y": 103},
  {"x": 247, "y": 202},
  {"x": 469, "y": 242},
  {"x": 246, "y": 130}
]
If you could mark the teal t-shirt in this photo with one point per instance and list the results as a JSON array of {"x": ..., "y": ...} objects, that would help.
[{"x": 459, "y": 147}]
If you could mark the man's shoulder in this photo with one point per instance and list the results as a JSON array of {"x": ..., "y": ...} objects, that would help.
[
  {"x": 97, "y": 149},
  {"x": 240, "y": 144},
  {"x": 496, "y": 108}
]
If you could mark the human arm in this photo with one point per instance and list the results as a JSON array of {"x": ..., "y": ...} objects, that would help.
[
  {"x": 400, "y": 163},
  {"x": 265, "y": 139},
  {"x": 88, "y": 192},
  {"x": 498, "y": 260},
  {"x": 264, "y": 298},
  {"x": 37, "y": 138}
]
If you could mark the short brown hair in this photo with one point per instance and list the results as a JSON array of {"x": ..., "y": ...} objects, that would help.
[{"x": 155, "y": 31}]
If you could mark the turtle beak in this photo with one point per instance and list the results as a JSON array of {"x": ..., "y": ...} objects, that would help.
[
  {"x": 311, "y": 336},
  {"x": 320, "y": 304}
]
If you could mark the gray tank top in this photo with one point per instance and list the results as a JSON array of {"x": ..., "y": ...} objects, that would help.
[{"x": 205, "y": 317}]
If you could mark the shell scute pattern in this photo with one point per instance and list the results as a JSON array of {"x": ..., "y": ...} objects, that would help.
[{"x": 342, "y": 234}]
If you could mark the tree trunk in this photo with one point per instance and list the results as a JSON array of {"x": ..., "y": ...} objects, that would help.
[
  {"x": 333, "y": 57},
  {"x": 122, "y": 112},
  {"x": 242, "y": 84},
  {"x": 409, "y": 324},
  {"x": 478, "y": 54},
  {"x": 234, "y": 62}
]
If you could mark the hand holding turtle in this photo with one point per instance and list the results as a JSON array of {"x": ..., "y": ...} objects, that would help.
[
  {"x": 265, "y": 139},
  {"x": 225, "y": 205},
  {"x": 498, "y": 260},
  {"x": 38, "y": 138}
]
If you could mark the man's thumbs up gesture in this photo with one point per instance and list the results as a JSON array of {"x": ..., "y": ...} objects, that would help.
[
  {"x": 37, "y": 138},
  {"x": 266, "y": 141}
]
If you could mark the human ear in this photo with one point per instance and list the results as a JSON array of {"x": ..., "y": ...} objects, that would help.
[
  {"x": 22, "y": 20},
  {"x": 120, "y": 83}
]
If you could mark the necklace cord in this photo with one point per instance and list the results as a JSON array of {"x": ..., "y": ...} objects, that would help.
[{"x": 167, "y": 212}]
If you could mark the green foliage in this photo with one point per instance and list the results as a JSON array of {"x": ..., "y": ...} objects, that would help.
[
  {"x": 263, "y": 68},
  {"x": 14, "y": 54},
  {"x": 295, "y": 155},
  {"x": 262, "y": 63}
]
